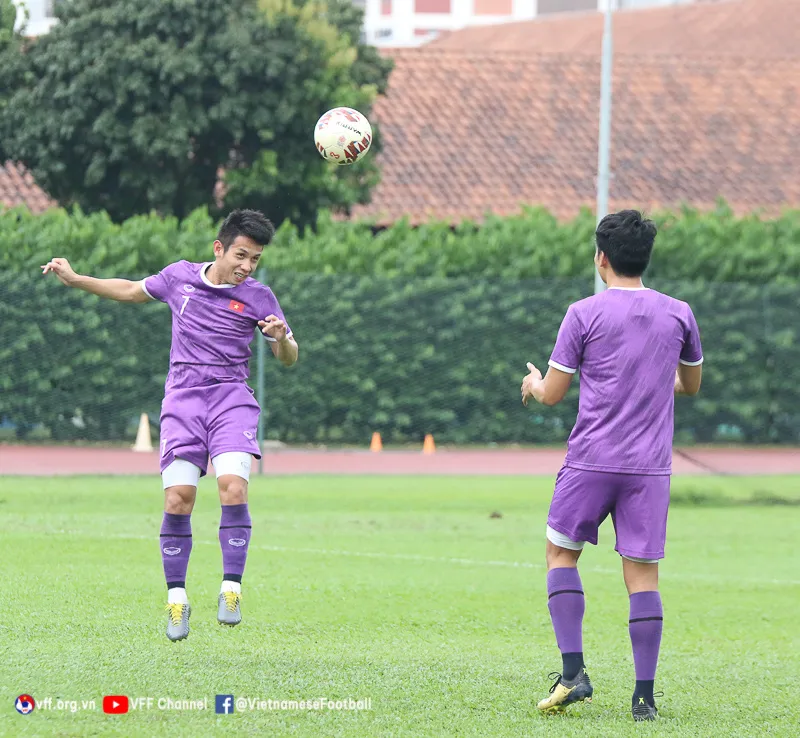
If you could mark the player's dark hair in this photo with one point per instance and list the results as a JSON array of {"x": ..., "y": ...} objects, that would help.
[
  {"x": 626, "y": 238},
  {"x": 252, "y": 224}
]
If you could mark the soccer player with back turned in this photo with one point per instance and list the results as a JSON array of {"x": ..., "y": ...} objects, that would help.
[
  {"x": 635, "y": 348},
  {"x": 208, "y": 407}
]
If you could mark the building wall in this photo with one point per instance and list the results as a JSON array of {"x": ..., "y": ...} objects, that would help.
[
  {"x": 40, "y": 16},
  {"x": 413, "y": 22}
]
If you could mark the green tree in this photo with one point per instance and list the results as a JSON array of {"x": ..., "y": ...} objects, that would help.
[
  {"x": 137, "y": 105},
  {"x": 285, "y": 174},
  {"x": 9, "y": 57}
]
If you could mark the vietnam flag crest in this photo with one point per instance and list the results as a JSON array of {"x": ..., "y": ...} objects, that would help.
[{"x": 236, "y": 306}]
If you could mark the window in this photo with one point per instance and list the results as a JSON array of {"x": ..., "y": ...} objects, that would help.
[{"x": 565, "y": 6}]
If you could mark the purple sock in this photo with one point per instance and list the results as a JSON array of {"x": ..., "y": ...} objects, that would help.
[
  {"x": 176, "y": 545},
  {"x": 234, "y": 539},
  {"x": 567, "y": 605},
  {"x": 645, "y": 625}
]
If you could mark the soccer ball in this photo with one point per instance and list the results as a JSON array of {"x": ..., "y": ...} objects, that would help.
[{"x": 343, "y": 135}]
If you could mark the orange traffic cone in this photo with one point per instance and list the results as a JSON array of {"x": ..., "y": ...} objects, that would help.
[
  {"x": 428, "y": 446},
  {"x": 377, "y": 444}
]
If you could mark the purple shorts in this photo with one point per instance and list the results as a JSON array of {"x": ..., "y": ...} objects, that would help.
[
  {"x": 638, "y": 505},
  {"x": 198, "y": 422}
]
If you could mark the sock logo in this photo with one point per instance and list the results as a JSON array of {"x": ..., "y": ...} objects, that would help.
[
  {"x": 641, "y": 700},
  {"x": 237, "y": 541},
  {"x": 171, "y": 551}
]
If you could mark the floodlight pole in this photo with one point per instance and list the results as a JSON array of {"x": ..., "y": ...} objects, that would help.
[{"x": 604, "y": 139}]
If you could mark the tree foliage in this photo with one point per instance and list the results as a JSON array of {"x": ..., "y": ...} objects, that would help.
[{"x": 130, "y": 106}]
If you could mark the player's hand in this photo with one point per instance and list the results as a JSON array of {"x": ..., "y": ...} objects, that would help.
[
  {"x": 273, "y": 327},
  {"x": 531, "y": 381},
  {"x": 62, "y": 270}
]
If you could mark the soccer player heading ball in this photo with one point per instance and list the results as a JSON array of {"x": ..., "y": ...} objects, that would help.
[
  {"x": 208, "y": 407},
  {"x": 635, "y": 348}
]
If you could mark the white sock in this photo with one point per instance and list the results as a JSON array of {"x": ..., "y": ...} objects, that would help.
[
  {"x": 177, "y": 596},
  {"x": 231, "y": 587}
]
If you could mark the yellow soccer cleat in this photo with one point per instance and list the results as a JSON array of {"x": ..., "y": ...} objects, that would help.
[
  {"x": 178, "y": 621},
  {"x": 229, "y": 611},
  {"x": 564, "y": 693}
]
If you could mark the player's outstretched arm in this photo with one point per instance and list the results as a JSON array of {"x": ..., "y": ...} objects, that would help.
[
  {"x": 283, "y": 347},
  {"x": 121, "y": 290},
  {"x": 688, "y": 379},
  {"x": 549, "y": 390}
]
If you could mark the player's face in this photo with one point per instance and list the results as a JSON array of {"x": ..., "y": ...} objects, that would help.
[{"x": 239, "y": 262}]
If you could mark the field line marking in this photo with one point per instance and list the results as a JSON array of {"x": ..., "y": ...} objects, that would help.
[{"x": 447, "y": 560}]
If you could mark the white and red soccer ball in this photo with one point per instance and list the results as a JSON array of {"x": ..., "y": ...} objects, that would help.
[{"x": 343, "y": 136}]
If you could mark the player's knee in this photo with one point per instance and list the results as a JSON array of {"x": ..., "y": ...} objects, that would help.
[
  {"x": 232, "y": 490},
  {"x": 561, "y": 551},
  {"x": 558, "y": 558},
  {"x": 179, "y": 500}
]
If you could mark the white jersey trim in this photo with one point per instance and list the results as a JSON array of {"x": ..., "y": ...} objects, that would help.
[
  {"x": 144, "y": 289},
  {"x": 629, "y": 289},
  {"x": 691, "y": 363},
  {"x": 561, "y": 367},
  {"x": 206, "y": 280}
]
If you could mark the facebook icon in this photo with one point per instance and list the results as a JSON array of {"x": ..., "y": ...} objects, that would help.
[{"x": 224, "y": 704}]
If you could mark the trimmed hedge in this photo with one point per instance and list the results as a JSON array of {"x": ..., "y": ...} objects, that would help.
[
  {"x": 716, "y": 247},
  {"x": 401, "y": 356},
  {"x": 407, "y": 332}
]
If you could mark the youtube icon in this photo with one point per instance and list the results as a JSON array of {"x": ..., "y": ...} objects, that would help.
[{"x": 116, "y": 704}]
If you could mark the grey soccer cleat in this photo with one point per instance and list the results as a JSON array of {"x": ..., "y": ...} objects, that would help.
[
  {"x": 229, "y": 612},
  {"x": 178, "y": 621}
]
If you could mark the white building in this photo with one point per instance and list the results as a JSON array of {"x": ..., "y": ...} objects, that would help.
[
  {"x": 409, "y": 22},
  {"x": 413, "y": 22},
  {"x": 41, "y": 15}
]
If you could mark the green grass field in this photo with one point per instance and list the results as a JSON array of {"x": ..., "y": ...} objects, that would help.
[{"x": 401, "y": 590}]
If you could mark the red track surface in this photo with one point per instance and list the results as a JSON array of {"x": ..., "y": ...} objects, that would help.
[{"x": 59, "y": 461}]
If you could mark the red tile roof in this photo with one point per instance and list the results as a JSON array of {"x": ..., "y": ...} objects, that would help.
[
  {"x": 18, "y": 188},
  {"x": 742, "y": 28},
  {"x": 468, "y": 133}
]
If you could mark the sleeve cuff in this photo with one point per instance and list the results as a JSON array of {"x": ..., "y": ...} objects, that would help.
[
  {"x": 692, "y": 363},
  {"x": 561, "y": 367},
  {"x": 144, "y": 289}
]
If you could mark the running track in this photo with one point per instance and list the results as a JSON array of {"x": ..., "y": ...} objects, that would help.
[{"x": 62, "y": 461}]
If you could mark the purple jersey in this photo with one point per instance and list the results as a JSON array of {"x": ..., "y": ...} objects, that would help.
[
  {"x": 627, "y": 344},
  {"x": 212, "y": 325}
]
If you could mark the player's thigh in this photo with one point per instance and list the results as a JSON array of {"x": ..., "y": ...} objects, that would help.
[
  {"x": 180, "y": 479},
  {"x": 640, "y": 517},
  {"x": 233, "y": 420},
  {"x": 581, "y": 502},
  {"x": 183, "y": 428},
  {"x": 233, "y": 475}
]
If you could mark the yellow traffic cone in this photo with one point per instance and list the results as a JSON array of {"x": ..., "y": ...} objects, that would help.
[
  {"x": 143, "y": 442},
  {"x": 428, "y": 446},
  {"x": 377, "y": 444}
]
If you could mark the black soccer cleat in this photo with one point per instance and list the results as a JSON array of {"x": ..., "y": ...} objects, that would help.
[
  {"x": 642, "y": 710},
  {"x": 564, "y": 693}
]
